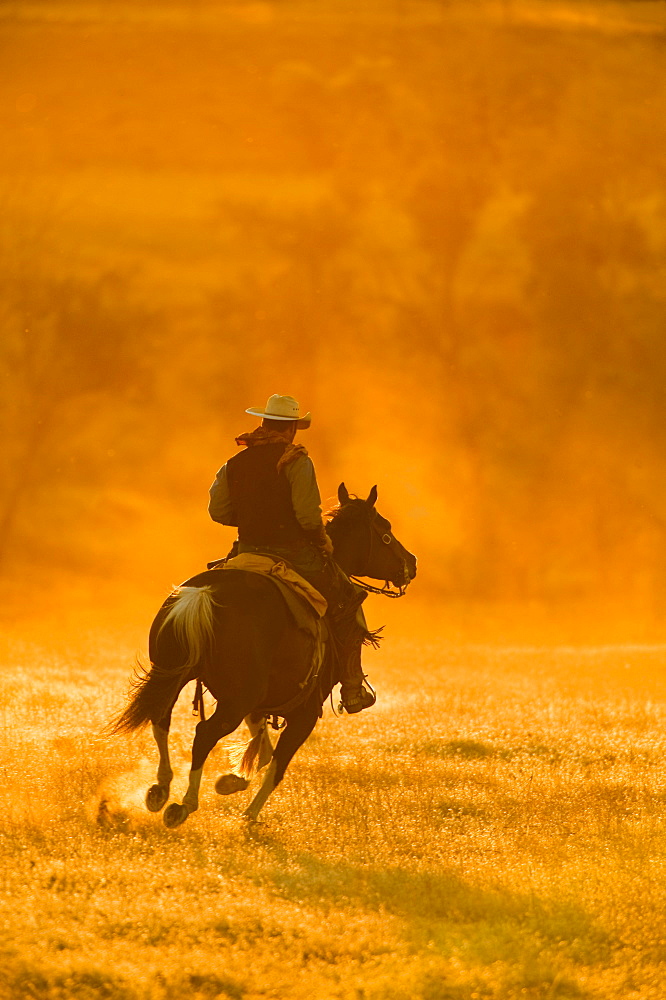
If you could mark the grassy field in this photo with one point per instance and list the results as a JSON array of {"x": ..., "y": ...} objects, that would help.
[{"x": 493, "y": 829}]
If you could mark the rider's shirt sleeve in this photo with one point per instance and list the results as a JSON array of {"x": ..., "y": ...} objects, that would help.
[
  {"x": 220, "y": 507},
  {"x": 304, "y": 492}
]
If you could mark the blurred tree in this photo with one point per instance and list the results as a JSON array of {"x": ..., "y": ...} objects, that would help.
[{"x": 73, "y": 356}]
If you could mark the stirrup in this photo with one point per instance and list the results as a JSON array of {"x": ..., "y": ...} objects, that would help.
[{"x": 361, "y": 698}]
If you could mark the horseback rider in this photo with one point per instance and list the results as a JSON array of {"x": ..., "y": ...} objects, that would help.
[{"x": 269, "y": 492}]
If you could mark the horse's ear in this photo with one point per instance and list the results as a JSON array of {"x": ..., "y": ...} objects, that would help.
[
  {"x": 343, "y": 495},
  {"x": 372, "y": 498}
]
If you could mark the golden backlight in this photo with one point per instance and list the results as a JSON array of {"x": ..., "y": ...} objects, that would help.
[{"x": 441, "y": 226}]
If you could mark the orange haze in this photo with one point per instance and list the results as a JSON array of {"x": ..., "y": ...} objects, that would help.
[{"x": 440, "y": 226}]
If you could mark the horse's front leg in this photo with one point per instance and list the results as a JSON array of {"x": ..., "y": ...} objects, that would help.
[
  {"x": 267, "y": 786},
  {"x": 222, "y": 722},
  {"x": 298, "y": 728},
  {"x": 232, "y": 782}
]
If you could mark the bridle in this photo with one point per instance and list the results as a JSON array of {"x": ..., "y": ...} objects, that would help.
[{"x": 386, "y": 538}]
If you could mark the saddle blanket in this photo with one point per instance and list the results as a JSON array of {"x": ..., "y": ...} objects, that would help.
[{"x": 280, "y": 572}]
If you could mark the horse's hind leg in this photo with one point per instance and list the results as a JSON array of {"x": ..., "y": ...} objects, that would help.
[
  {"x": 158, "y": 794},
  {"x": 222, "y": 722}
]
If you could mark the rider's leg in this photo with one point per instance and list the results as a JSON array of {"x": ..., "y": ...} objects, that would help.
[{"x": 350, "y": 631}]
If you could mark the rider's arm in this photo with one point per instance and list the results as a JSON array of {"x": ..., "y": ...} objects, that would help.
[
  {"x": 304, "y": 492},
  {"x": 307, "y": 501},
  {"x": 220, "y": 507}
]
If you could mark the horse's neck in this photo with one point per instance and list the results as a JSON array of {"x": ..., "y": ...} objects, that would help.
[
  {"x": 344, "y": 564},
  {"x": 343, "y": 554}
]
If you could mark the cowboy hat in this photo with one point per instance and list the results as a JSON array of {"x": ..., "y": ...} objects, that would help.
[{"x": 282, "y": 408}]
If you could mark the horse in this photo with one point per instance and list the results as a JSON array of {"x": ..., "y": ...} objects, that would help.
[{"x": 232, "y": 632}]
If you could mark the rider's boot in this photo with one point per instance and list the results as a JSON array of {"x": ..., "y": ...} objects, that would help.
[
  {"x": 352, "y": 632},
  {"x": 355, "y": 696}
]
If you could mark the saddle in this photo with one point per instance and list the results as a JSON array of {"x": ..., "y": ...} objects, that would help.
[{"x": 282, "y": 574}]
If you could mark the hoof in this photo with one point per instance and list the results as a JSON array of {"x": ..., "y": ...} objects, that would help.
[
  {"x": 227, "y": 784},
  {"x": 156, "y": 798},
  {"x": 175, "y": 814}
]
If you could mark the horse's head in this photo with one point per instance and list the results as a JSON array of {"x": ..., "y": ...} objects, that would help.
[{"x": 365, "y": 544}]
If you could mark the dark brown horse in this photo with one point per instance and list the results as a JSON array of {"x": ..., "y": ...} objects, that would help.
[{"x": 232, "y": 631}]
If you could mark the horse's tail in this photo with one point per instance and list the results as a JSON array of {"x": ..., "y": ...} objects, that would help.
[
  {"x": 152, "y": 690},
  {"x": 190, "y": 618},
  {"x": 246, "y": 757}
]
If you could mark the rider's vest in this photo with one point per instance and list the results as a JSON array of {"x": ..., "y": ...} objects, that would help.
[{"x": 261, "y": 498}]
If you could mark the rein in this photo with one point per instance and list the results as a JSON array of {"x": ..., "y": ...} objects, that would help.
[
  {"x": 384, "y": 591},
  {"x": 198, "y": 702}
]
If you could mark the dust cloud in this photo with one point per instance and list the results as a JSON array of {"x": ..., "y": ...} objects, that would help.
[{"x": 440, "y": 227}]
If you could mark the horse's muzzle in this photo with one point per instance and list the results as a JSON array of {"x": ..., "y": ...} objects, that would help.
[{"x": 408, "y": 570}]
